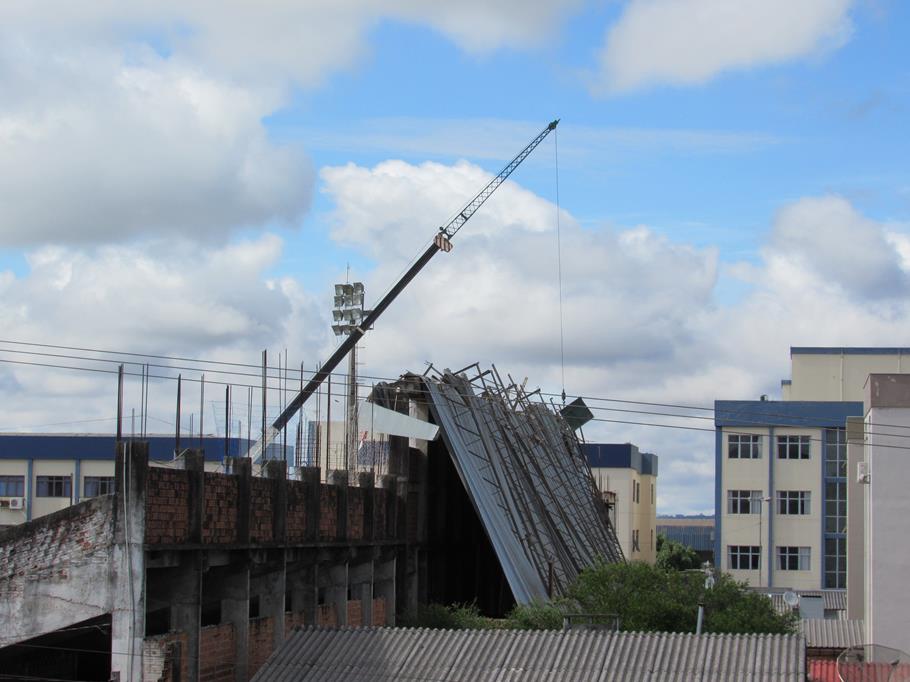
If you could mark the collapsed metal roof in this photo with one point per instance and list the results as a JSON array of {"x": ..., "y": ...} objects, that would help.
[
  {"x": 453, "y": 655},
  {"x": 526, "y": 476}
]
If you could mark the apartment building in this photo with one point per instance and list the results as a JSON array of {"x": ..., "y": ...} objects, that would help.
[
  {"x": 44, "y": 473},
  {"x": 630, "y": 477},
  {"x": 781, "y": 480}
]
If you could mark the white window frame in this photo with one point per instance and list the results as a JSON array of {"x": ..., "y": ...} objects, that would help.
[
  {"x": 786, "y": 499},
  {"x": 787, "y": 554},
  {"x": 751, "y": 554},
  {"x": 798, "y": 445},
  {"x": 738, "y": 499},
  {"x": 743, "y": 443}
]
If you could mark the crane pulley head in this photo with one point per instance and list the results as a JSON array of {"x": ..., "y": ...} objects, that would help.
[{"x": 553, "y": 124}]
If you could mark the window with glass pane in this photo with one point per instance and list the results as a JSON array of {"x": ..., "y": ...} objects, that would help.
[
  {"x": 743, "y": 446},
  {"x": 794, "y": 502},
  {"x": 793, "y": 558},
  {"x": 835, "y": 506},
  {"x": 98, "y": 485},
  {"x": 835, "y": 563},
  {"x": 793, "y": 447},
  {"x": 744, "y": 557},
  {"x": 53, "y": 486},
  {"x": 744, "y": 501},
  {"x": 835, "y": 453},
  {"x": 12, "y": 486}
]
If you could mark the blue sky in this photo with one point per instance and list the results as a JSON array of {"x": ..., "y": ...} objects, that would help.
[{"x": 192, "y": 178}]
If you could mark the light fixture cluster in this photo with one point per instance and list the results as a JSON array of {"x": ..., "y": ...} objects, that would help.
[{"x": 348, "y": 313}]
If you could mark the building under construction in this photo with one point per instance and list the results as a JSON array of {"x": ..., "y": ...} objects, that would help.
[{"x": 183, "y": 573}]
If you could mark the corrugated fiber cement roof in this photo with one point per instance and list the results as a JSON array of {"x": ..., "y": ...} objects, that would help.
[{"x": 381, "y": 654}]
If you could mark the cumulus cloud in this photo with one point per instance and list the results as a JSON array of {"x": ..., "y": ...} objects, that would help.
[
  {"x": 684, "y": 42},
  {"x": 127, "y": 119},
  {"x": 163, "y": 298}
]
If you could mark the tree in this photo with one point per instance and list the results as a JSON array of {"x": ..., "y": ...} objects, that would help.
[
  {"x": 672, "y": 555},
  {"x": 650, "y": 598}
]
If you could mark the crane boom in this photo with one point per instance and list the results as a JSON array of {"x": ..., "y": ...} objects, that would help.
[{"x": 441, "y": 242}]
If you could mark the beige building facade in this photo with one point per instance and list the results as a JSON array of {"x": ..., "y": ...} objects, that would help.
[{"x": 631, "y": 477}]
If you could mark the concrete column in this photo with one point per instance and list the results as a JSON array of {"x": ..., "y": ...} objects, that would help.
[
  {"x": 384, "y": 586},
  {"x": 185, "y": 594},
  {"x": 366, "y": 481},
  {"x": 242, "y": 468},
  {"x": 269, "y": 585},
  {"x": 302, "y": 584},
  {"x": 360, "y": 578},
  {"x": 194, "y": 462},
  {"x": 277, "y": 471},
  {"x": 128, "y": 615},
  {"x": 231, "y": 585},
  {"x": 311, "y": 477},
  {"x": 336, "y": 590},
  {"x": 339, "y": 479}
]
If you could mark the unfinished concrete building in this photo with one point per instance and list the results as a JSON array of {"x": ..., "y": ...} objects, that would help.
[{"x": 194, "y": 575}]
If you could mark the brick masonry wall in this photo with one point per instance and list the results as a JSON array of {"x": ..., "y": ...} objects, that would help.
[
  {"x": 167, "y": 506},
  {"x": 261, "y": 510},
  {"x": 216, "y": 653},
  {"x": 292, "y": 620},
  {"x": 56, "y": 570},
  {"x": 355, "y": 513},
  {"x": 261, "y": 632},
  {"x": 296, "y": 511},
  {"x": 380, "y": 499},
  {"x": 355, "y": 613},
  {"x": 164, "y": 658},
  {"x": 328, "y": 512},
  {"x": 379, "y": 611},
  {"x": 219, "y": 525},
  {"x": 325, "y": 615}
]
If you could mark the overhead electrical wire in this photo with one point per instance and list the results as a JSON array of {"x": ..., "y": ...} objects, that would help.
[{"x": 742, "y": 416}]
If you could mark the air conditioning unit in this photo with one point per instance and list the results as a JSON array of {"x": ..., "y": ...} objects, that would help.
[
  {"x": 862, "y": 472},
  {"x": 17, "y": 503}
]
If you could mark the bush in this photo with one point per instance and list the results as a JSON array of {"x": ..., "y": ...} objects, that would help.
[
  {"x": 452, "y": 617},
  {"x": 536, "y": 616}
]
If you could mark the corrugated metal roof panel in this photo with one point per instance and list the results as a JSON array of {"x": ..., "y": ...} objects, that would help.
[
  {"x": 834, "y": 600},
  {"x": 529, "y": 481},
  {"x": 480, "y": 655},
  {"x": 832, "y": 634}
]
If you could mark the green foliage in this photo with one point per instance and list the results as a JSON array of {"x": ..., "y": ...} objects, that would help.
[
  {"x": 536, "y": 616},
  {"x": 649, "y": 598},
  {"x": 452, "y": 617},
  {"x": 675, "y": 556}
]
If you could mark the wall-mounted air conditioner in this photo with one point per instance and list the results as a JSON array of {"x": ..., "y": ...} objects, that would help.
[
  {"x": 17, "y": 503},
  {"x": 862, "y": 472}
]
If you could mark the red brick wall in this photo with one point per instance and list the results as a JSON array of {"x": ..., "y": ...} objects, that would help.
[
  {"x": 328, "y": 512},
  {"x": 166, "y": 506},
  {"x": 325, "y": 615},
  {"x": 355, "y": 513},
  {"x": 355, "y": 613},
  {"x": 163, "y": 656},
  {"x": 261, "y": 510},
  {"x": 380, "y": 499},
  {"x": 296, "y": 514},
  {"x": 291, "y": 621},
  {"x": 216, "y": 653},
  {"x": 261, "y": 632},
  {"x": 379, "y": 611},
  {"x": 219, "y": 525}
]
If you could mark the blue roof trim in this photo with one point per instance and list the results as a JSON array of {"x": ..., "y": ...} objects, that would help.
[
  {"x": 785, "y": 413},
  {"x": 69, "y": 446},
  {"x": 822, "y": 350},
  {"x": 786, "y": 382},
  {"x": 620, "y": 456}
]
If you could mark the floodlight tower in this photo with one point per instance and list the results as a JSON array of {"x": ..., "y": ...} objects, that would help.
[{"x": 347, "y": 316}]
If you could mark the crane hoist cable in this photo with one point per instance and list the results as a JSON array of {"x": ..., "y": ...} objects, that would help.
[{"x": 441, "y": 242}]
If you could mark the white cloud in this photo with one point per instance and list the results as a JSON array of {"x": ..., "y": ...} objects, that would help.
[
  {"x": 684, "y": 42},
  {"x": 131, "y": 119},
  {"x": 164, "y": 298}
]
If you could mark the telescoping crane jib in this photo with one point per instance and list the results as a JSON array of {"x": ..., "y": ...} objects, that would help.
[{"x": 442, "y": 242}]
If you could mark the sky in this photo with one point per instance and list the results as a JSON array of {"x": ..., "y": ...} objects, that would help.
[{"x": 189, "y": 179}]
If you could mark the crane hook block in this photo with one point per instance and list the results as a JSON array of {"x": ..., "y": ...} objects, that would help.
[
  {"x": 553, "y": 124},
  {"x": 442, "y": 242}
]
